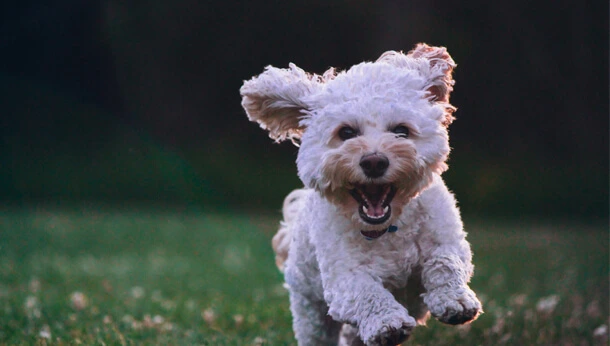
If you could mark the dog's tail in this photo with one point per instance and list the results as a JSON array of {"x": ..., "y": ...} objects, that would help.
[{"x": 282, "y": 239}]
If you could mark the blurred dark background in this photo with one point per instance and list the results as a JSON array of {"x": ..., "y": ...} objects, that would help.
[{"x": 125, "y": 102}]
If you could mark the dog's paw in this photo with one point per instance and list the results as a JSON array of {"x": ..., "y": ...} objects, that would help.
[
  {"x": 453, "y": 306},
  {"x": 390, "y": 332},
  {"x": 461, "y": 317},
  {"x": 391, "y": 336}
]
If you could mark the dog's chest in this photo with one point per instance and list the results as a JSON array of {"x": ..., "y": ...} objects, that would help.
[
  {"x": 391, "y": 257},
  {"x": 341, "y": 247}
]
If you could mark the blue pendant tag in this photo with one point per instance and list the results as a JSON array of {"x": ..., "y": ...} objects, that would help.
[{"x": 392, "y": 229}]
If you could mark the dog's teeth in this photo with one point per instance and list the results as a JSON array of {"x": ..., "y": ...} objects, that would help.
[
  {"x": 365, "y": 209},
  {"x": 385, "y": 210}
]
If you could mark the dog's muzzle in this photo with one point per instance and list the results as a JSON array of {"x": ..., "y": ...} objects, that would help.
[{"x": 374, "y": 202}]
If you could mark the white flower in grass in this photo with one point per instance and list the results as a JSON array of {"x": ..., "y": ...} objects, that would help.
[
  {"x": 32, "y": 307},
  {"x": 31, "y": 302},
  {"x": 593, "y": 309},
  {"x": 136, "y": 325},
  {"x": 601, "y": 332},
  {"x": 147, "y": 321},
  {"x": 547, "y": 305},
  {"x": 34, "y": 285},
  {"x": 137, "y": 292},
  {"x": 209, "y": 316},
  {"x": 239, "y": 319},
  {"x": 78, "y": 300},
  {"x": 505, "y": 338},
  {"x": 518, "y": 300},
  {"x": 45, "y": 332},
  {"x": 158, "y": 319},
  {"x": 167, "y": 327},
  {"x": 127, "y": 319}
]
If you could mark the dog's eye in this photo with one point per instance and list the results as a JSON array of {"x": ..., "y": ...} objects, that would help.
[
  {"x": 347, "y": 132},
  {"x": 401, "y": 131}
]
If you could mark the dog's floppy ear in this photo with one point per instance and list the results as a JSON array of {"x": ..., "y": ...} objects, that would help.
[
  {"x": 275, "y": 99},
  {"x": 437, "y": 71},
  {"x": 440, "y": 80},
  {"x": 441, "y": 67}
]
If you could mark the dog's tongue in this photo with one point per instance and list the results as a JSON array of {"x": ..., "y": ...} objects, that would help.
[
  {"x": 374, "y": 195},
  {"x": 375, "y": 210}
]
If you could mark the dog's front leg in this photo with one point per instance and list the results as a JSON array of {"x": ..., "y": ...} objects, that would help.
[
  {"x": 361, "y": 299},
  {"x": 445, "y": 275}
]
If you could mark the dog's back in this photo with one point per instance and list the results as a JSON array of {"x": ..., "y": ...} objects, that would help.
[{"x": 282, "y": 239}]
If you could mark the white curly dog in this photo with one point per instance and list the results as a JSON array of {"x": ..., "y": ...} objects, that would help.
[{"x": 374, "y": 242}]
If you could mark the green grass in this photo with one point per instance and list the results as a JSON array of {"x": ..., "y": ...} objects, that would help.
[{"x": 151, "y": 276}]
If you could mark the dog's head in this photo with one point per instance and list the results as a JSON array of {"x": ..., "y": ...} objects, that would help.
[{"x": 372, "y": 137}]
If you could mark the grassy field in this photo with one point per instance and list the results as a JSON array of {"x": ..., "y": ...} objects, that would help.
[{"x": 102, "y": 276}]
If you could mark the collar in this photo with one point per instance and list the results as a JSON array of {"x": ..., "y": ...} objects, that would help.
[{"x": 370, "y": 235}]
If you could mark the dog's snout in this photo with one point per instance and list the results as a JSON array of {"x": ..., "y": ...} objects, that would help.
[{"x": 374, "y": 165}]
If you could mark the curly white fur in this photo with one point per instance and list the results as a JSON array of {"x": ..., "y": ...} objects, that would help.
[{"x": 344, "y": 286}]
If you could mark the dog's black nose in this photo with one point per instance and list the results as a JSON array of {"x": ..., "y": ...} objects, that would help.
[{"x": 374, "y": 165}]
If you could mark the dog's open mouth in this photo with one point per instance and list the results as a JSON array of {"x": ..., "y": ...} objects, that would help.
[{"x": 374, "y": 201}]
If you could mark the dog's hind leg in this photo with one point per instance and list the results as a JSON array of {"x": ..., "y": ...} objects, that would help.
[
  {"x": 311, "y": 323},
  {"x": 349, "y": 336},
  {"x": 282, "y": 239}
]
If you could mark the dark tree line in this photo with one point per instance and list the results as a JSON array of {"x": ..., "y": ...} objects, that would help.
[{"x": 532, "y": 77}]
